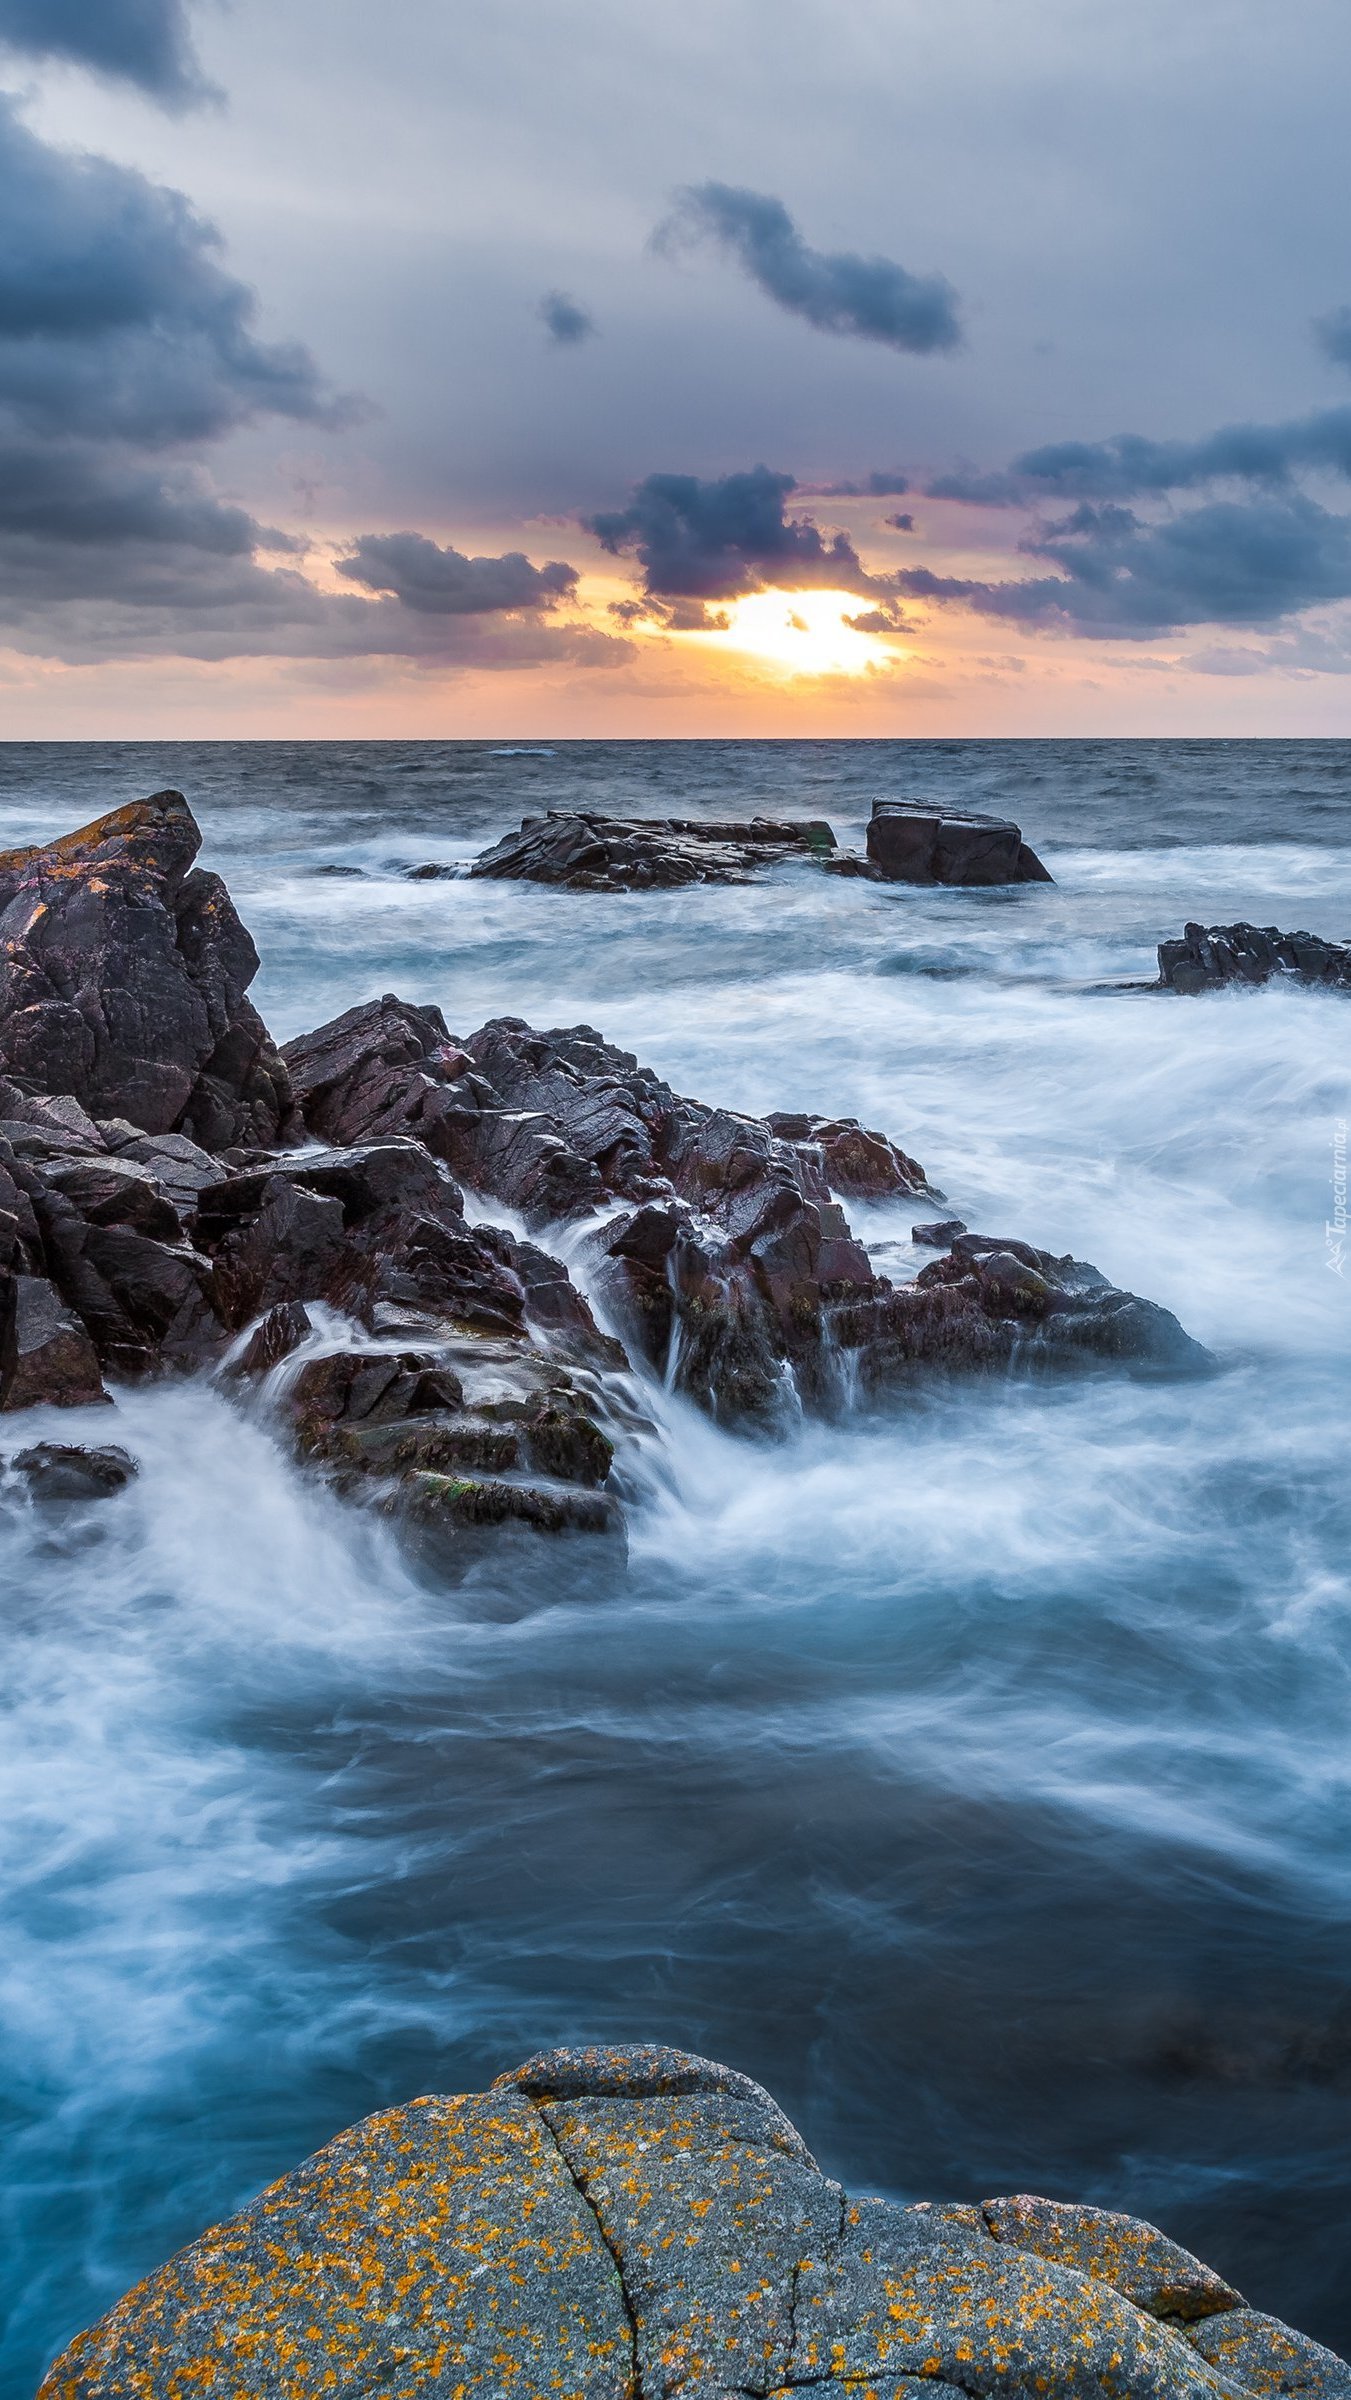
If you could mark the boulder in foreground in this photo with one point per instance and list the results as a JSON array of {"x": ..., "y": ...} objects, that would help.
[
  {"x": 1209, "y": 957},
  {"x": 587, "y": 853},
  {"x": 635, "y": 2223},
  {"x": 911, "y": 841}
]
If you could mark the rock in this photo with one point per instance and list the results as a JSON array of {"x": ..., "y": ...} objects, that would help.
[
  {"x": 464, "y": 1432},
  {"x": 1209, "y": 957},
  {"x": 585, "y": 853},
  {"x": 381, "y": 1068},
  {"x": 64, "y": 1471},
  {"x": 51, "y": 1360},
  {"x": 123, "y": 975},
  {"x": 733, "y": 1271},
  {"x": 910, "y": 841},
  {"x": 611, "y": 2223},
  {"x": 281, "y": 1331},
  {"x": 937, "y": 1235}
]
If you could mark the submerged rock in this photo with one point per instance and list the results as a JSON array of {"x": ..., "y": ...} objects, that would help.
[
  {"x": 636, "y": 2223},
  {"x": 1209, "y": 957},
  {"x": 67, "y": 1471},
  {"x": 123, "y": 975},
  {"x": 911, "y": 841},
  {"x": 586, "y": 853}
]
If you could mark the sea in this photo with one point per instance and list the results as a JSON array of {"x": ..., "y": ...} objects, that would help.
[{"x": 975, "y": 1773}]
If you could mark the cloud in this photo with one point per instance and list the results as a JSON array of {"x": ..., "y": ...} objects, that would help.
[
  {"x": 117, "y": 319},
  {"x": 1227, "y": 562},
  {"x": 566, "y": 321},
  {"x": 902, "y": 522},
  {"x": 444, "y": 583},
  {"x": 884, "y": 485},
  {"x": 714, "y": 540},
  {"x": 1130, "y": 466},
  {"x": 145, "y": 42},
  {"x": 872, "y": 299},
  {"x": 1333, "y": 335}
]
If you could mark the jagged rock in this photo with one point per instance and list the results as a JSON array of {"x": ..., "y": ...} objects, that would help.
[
  {"x": 911, "y": 841},
  {"x": 1209, "y": 957},
  {"x": 66, "y": 1471},
  {"x": 46, "y": 1355},
  {"x": 734, "y": 1271},
  {"x": 586, "y": 853},
  {"x": 380, "y": 1068},
  {"x": 466, "y": 1431},
  {"x": 610, "y": 2223},
  {"x": 939, "y": 1234},
  {"x": 123, "y": 975}
]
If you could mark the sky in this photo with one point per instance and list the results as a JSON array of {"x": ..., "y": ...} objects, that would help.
[{"x": 764, "y": 367}]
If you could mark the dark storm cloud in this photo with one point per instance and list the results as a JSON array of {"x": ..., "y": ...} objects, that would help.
[
  {"x": 117, "y": 319},
  {"x": 711, "y": 540},
  {"x": 565, "y": 320},
  {"x": 1333, "y": 335},
  {"x": 444, "y": 583},
  {"x": 141, "y": 41},
  {"x": 1230, "y": 562},
  {"x": 873, "y": 299},
  {"x": 1130, "y": 466}
]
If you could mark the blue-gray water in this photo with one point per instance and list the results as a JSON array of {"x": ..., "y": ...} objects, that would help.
[{"x": 979, "y": 1778}]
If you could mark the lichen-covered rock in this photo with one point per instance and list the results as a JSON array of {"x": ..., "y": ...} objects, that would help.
[
  {"x": 913, "y": 841},
  {"x": 638, "y": 2223},
  {"x": 123, "y": 979},
  {"x": 1209, "y": 957},
  {"x": 582, "y": 852}
]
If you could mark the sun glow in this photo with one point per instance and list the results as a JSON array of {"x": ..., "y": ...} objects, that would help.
[{"x": 801, "y": 633}]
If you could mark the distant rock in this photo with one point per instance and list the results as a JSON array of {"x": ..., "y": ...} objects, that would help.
[
  {"x": 586, "y": 853},
  {"x": 57, "y": 1471},
  {"x": 611, "y": 2222},
  {"x": 1209, "y": 957},
  {"x": 123, "y": 975},
  {"x": 910, "y": 841}
]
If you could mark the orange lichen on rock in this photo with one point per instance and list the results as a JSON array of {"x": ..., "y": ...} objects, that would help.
[{"x": 639, "y": 2224}]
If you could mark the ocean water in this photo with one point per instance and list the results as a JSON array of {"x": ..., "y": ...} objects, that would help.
[{"x": 977, "y": 1775}]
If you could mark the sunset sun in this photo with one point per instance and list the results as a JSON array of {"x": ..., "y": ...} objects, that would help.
[{"x": 801, "y": 633}]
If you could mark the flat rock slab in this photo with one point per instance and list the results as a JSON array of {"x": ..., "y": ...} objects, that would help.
[
  {"x": 911, "y": 841},
  {"x": 586, "y": 853},
  {"x": 633, "y": 2223}
]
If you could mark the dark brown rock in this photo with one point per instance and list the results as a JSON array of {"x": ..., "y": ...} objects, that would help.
[
  {"x": 910, "y": 841},
  {"x": 56, "y": 1471},
  {"x": 123, "y": 979},
  {"x": 51, "y": 1360},
  {"x": 585, "y": 853},
  {"x": 1209, "y": 958}
]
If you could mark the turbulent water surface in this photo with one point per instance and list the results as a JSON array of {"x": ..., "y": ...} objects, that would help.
[{"x": 976, "y": 1776}]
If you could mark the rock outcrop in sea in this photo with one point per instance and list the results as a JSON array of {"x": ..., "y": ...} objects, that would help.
[
  {"x": 582, "y": 852},
  {"x": 1209, "y": 957},
  {"x": 638, "y": 2223},
  {"x": 177, "y": 1195},
  {"x": 914, "y": 841}
]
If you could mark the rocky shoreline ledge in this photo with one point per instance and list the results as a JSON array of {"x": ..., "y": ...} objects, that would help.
[
  {"x": 637, "y": 2223},
  {"x": 179, "y": 1195}
]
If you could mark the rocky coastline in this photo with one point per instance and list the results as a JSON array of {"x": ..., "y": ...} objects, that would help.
[
  {"x": 636, "y": 2223},
  {"x": 179, "y": 1195}
]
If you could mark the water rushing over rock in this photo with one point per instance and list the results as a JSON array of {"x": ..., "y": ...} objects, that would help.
[{"x": 970, "y": 1770}]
